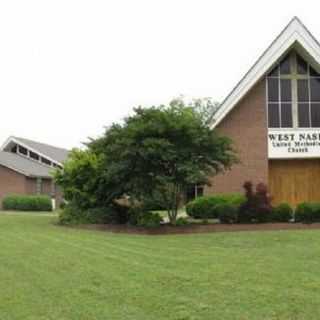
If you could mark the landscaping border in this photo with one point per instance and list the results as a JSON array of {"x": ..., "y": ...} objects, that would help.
[{"x": 195, "y": 229}]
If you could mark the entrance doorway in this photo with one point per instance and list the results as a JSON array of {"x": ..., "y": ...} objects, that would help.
[{"x": 294, "y": 181}]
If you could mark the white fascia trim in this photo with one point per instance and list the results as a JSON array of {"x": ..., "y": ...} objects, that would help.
[
  {"x": 12, "y": 139},
  {"x": 294, "y": 32}
]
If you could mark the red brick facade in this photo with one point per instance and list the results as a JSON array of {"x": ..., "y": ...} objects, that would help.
[
  {"x": 12, "y": 182},
  {"x": 246, "y": 125}
]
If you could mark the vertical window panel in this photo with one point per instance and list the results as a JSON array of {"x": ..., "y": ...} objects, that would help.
[
  {"x": 273, "y": 90},
  {"x": 315, "y": 115},
  {"x": 303, "y": 115},
  {"x": 285, "y": 67},
  {"x": 315, "y": 89},
  {"x": 285, "y": 85},
  {"x": 302, "y": 66},
  {"x": 286, "y": 115},
  {"x": 303, "y": 90},
  {"x": 273, "y": 115}
]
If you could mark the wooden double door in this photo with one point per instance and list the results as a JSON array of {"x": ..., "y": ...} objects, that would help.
[{"x": 294, "y": 181}]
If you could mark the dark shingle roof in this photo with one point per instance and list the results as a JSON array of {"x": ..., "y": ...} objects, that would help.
[
  {"x": 25, "y": 166},
  {"x": 55, "y": 153}
]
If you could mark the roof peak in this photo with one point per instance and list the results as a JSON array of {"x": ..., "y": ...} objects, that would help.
[
  {"x": 39, "y": 142},
  {"x": 294, "y": 32},
  {"x": 52, "y": 153}
]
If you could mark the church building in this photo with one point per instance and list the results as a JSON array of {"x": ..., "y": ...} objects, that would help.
[{"x": 273, "y": 118}]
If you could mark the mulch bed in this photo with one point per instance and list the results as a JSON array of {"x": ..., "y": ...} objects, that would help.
[{"x": 198, "y": 228}]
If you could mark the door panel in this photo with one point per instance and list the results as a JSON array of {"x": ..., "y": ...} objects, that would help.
[{"x": 294, "y": 181}]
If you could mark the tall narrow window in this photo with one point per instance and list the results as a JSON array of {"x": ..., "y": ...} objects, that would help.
[{"x": 280, "y": 95}]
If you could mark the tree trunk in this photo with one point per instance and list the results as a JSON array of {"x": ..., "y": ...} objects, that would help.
[{"x": 174, "y": 205}]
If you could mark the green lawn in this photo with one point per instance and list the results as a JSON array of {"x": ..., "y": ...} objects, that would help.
[{"x": 51, "y": 272}]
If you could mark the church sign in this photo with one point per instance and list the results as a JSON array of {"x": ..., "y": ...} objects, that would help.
[{"x": 286, "y": 144}]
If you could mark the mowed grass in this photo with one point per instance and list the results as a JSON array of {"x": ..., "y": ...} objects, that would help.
[{"x": 52, "y": 272}]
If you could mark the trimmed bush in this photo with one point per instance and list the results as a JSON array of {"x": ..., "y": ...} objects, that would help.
[
  {"x": 303, "y": 213},
  {"x": 139, "y": 216},
  {"x": 27, "y": 203},
  {"x": 149, "y": 220},
  {"x": 282, "y": 213},
  {"x": 315, "y": 211},
  {"x": 307, "y": 212},
  {"x": 182, "y": 221},
  {"x": 205, "y": 207},
  {"x": 227, "y": 213}
]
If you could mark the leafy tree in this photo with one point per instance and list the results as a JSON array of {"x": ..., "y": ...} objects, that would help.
[
  {"x": 158, "y": 151},
  {"x": 79, "y": 178},
  {"x": 205, "y": 107},
  {"x": 86, "y": 182},
  {"x": 154, "y": 154}
]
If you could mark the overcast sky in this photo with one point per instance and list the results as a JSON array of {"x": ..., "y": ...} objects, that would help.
[{"x": 68, "y": 68}]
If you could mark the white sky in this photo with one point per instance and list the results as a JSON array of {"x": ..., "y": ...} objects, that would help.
[{"x": 70, "y": 67}]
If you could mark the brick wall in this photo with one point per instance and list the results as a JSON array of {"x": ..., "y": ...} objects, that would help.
[
  {"x": 11, "y": 182},
  {"x": 246, "y": 125}
]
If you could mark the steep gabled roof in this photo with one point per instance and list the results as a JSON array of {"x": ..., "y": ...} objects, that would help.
[
  {"x": 24, "y": 166},
  {"x": 52, "y": 153},
  {"x": 295, "y": 35}
]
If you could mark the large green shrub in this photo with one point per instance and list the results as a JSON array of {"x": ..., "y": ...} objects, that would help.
[
  {"x": 27, "y": 203},
  {"x": 307, "y": 212},
  {"x": 282, "y": 213},
  {"x": 227, "y": 213},
  {"x": 115, "y": 213},
  {"x": 205, "y": 207}
]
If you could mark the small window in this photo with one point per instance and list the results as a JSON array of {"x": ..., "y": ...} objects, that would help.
[
  {"x": 304, "y": 115},
  {"x": 46, "y": 161},
  {"x": 39, "y": 186},
  {"x": 315, "y": 115},
  {"x": 194, "y": 191},
  {"x": 273, "y": 115},
  {"x": 34, "y": 156},
  {"x": 23, "y": 150},
  {"x": 273, "y": 90},
  {"x": 286, "y": 115},
  {"x": 200, "y": 190}
]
